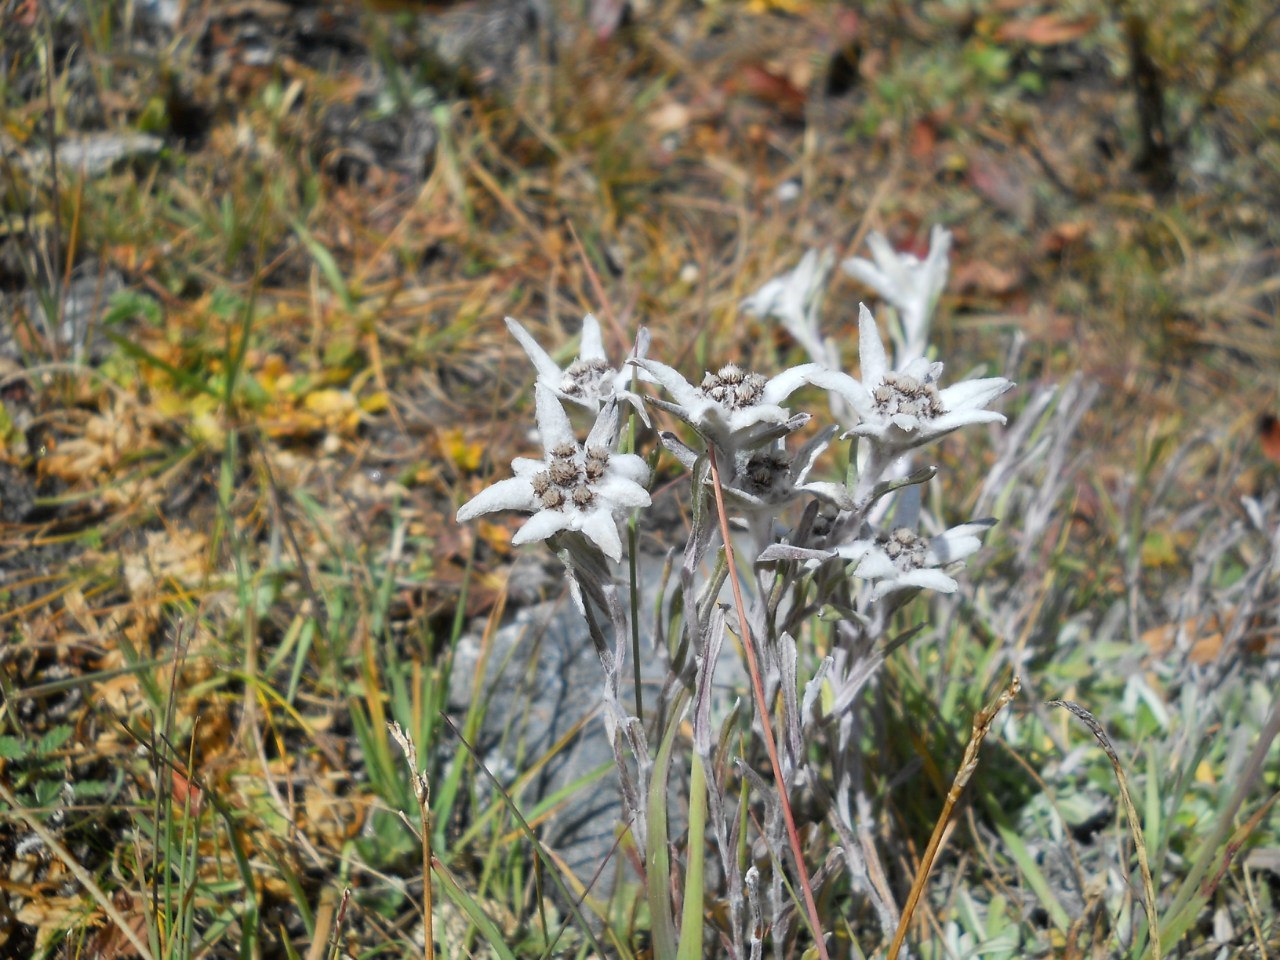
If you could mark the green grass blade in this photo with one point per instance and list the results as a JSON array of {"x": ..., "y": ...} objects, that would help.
[
  {"x": 657, "y": 860},
  {"x": 464, "y": 902},
  {"x": 541, "y": 852},
  {"x": 1035, "y": 879},
  {"x": 691, "y": 913}
]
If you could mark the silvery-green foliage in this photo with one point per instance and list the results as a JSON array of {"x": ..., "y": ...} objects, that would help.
[{"x": 836, "y": 557}]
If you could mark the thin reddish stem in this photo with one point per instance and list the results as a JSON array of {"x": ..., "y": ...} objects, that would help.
[{"x": 758, "y": 688}]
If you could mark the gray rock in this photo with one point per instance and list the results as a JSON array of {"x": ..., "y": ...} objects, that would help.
[{"x": 542, "y": 676}]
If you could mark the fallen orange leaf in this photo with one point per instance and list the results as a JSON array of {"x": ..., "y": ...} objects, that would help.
[{"x": 1046, "y": 30}]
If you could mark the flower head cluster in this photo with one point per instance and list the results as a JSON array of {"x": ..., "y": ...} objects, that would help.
[
  {"x": 902, "y": 409},
  {"x": 590, "y": 380},
  {"x": 901, "y": 559},
  {"x": 739, "y": 415},
  {"x": 576, "y": 487},
  {"x": 732, "y": 408}
]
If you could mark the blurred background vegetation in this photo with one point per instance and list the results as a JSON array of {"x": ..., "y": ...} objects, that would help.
[{"x": 254, "y": 258}]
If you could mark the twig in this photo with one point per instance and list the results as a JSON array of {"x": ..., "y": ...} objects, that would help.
[
  {"x": 422, "y": 793},
  {"x": 968, "y": 764},
  {"x": 758, "y": 688}
]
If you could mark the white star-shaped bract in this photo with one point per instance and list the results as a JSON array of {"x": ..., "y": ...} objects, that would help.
[
  {"x": 582, "y": 488},
  {"x": 590, "y": 380},
  {"x": 908, "y": 283},
  {"x": 732, "y": 408},
  {"x": 905, "y": 408},
  {"x": 795, "y": 298},
  {"x": 901, "y": 559}
]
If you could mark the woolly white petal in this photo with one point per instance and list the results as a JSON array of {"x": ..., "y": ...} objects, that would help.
[
  {"x": 547, "y": 368},
  {"x": 890, "y": 262},
  {"x": 746, "y": 417},
  {"x": 938, "y": 262},
  {"x": 942, "y": 551},
  {"x": 924, "y": 578},
  {"x": 922, "y": 369},
  {"x": 874, "y": 565},
  {"x": 543, "y": 524},
  {"x": 788, "y": 382},
  {"x": 527, "y": 467},
  {"x": 962, "y": 418},
  {"x": 851, "y": 390},
  {"x": 553, "y": 422},
  {"x": 514, "y": 493},
  {"x": 957, "y": 543},
  {"x": 770, "y": 299},
  {"x": 973, "y": 393},
  {"x": 628, "y": 466},
  {"x": 681, "y": 390},
  {"x": 866, "y": 272},
  {"x": 621, "y": 493},
  {"x": 876, "y": 429},
  {"x": 591, "y": 343},
  {"x": 602, "y": 530},
  {"x": 870, "y": 349},
  {"x": 855, "y": 550}
]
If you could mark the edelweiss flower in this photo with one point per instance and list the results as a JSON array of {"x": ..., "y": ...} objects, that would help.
[
  {"x": 904, "y": 408},
  {"x": 589, "y": 381},
  {"x": 795, "y": 298},
  {"x": 768, "y": 476},
  {"x": 910, "y": 284},
  {"x": 732, "y": 408},
  {"x": 575, "y": 488},
  {"x": 901, "y": 559}
]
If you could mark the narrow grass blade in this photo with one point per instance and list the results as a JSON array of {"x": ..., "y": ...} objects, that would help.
[
  {"x": 657, "y": 862},
  {"x": 1035, "y": 878},
  {"x": 494, "y": 938},
  {"x": 328, "y": 266},
  {"x": 691, "y": 914},
  {"x": 532, "y": 837},
  {"x": 1131, "y": 814}
]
